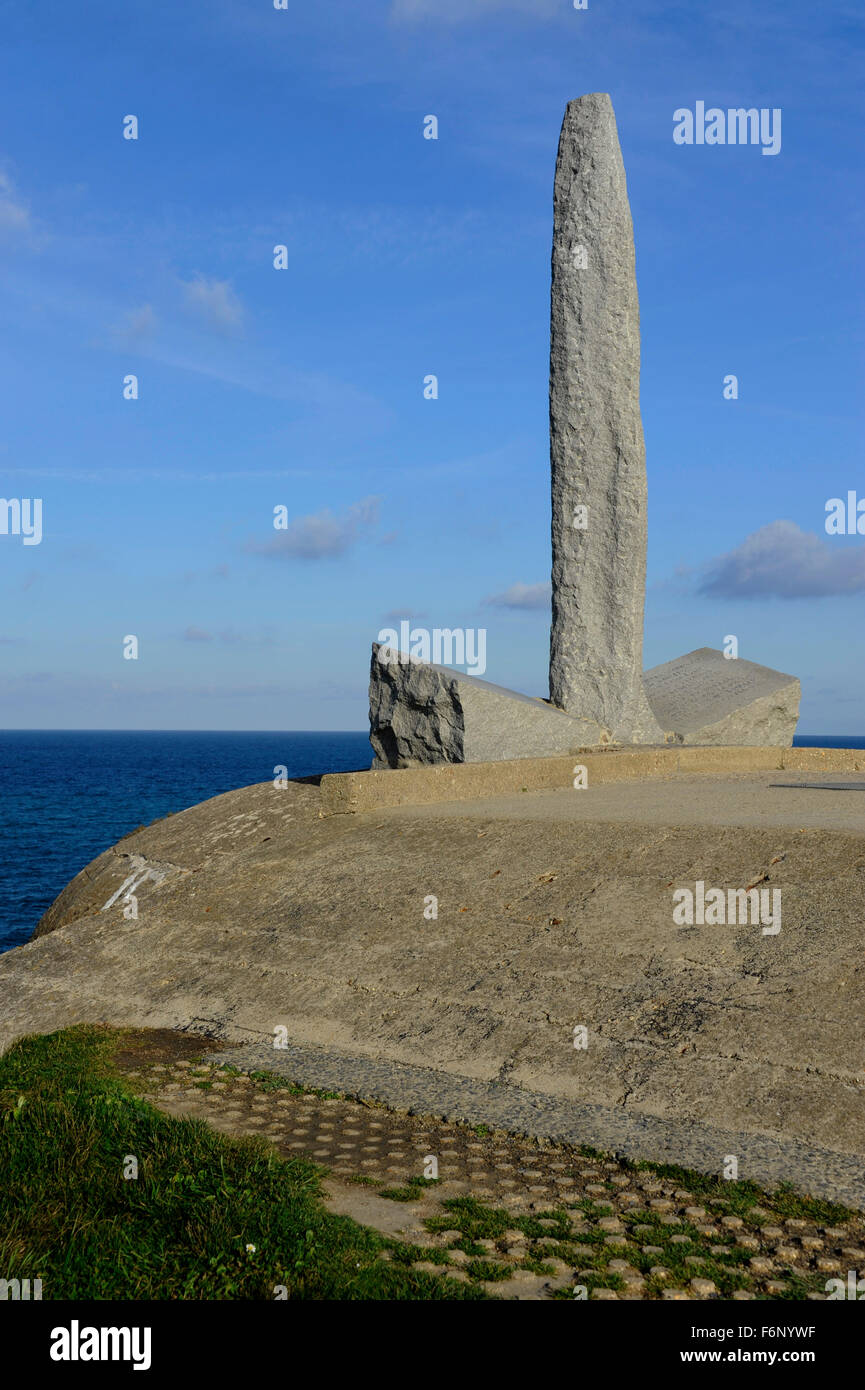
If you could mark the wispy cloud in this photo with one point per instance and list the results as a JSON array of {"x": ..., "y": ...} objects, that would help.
[
  {"x": 14, "y": 212},
  {"x": 458, "y": 11},
  {"x": 137, "y": 325},
  {"x": 221, "y": 571},
  {"x": 214, "y": 303},
  {"x": 322, "y": 535},
  {"x": 229, "y": 636},
  {"x": 403, "y": 615},
  {"x": 523, "y": 596},
  {"x": 782, "y": 561}
]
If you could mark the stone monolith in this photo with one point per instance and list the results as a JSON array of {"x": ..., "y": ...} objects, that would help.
[
  {"x": 422, "y": 713},
  {"x": 597, "y": 453}
]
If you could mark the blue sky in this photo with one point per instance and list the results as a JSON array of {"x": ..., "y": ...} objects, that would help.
[{"x": 304, "y": 387}]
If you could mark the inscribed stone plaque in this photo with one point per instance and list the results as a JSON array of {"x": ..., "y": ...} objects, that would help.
[{"x": 705, "y": 697}]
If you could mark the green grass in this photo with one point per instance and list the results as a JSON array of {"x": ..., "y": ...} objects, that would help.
[
  {"x": 272, "y": 1081},
  {"x": 411, "y": 1192},
  {"x": 488, "y": 1271},
  {"x": 736, "y": 1198},
  {"x": 181, "y": 1229},
  {"x": 550, "y": 1234}
]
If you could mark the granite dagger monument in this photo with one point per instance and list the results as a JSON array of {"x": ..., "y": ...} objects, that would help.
[
  {"x": 597, "y": 453},
  {"x": 599, "y": 695}
]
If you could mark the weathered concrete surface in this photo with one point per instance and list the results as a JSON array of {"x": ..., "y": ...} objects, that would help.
[
  {"x": 423, "y": 713},
  {"x": 704, "y": 698},
  {"x": 347, "y": 792},
  {"x": 746, "y": 801},
  {"x": 597, "y": 453},
  {"x": 272, "y": 914}
]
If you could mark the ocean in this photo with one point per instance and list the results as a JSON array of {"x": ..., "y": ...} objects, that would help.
[{"x": 66, "y": 796}]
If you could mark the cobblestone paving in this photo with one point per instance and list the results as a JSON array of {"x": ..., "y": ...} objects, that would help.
[{"x": 521, "y": 1218}]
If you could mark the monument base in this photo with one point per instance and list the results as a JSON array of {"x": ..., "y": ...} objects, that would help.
[{"x": 423, "y": 714}]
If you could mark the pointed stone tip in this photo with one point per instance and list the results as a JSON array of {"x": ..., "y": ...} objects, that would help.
[
  {"x": 588, "y": 116},
  {"x": 589, "y": 122},
  {"x": 600, "y": 101}
]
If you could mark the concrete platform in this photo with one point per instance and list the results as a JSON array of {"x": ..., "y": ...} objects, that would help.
[
  {"x": 553, "y": 911},
  {"x": 362, "y": 791},
  {"x": 732, "y": 799}
]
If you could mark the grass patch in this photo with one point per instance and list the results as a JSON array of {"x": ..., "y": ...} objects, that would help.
[
  {"x": 208, "y": 1217},
  {"x": 736, "y": 1198},
  {"x": 412, "y": 1192},
  {"x": 272, "y": 1081},
  {"x": 488, "y": 1271},
  {"x": 473, "y": 1218}
]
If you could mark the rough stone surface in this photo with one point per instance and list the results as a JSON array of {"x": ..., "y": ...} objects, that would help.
[
  {"x": 706, "y": 698},
  {"x": 422, "y": 713},
  {"x": 597, "y": 453}
]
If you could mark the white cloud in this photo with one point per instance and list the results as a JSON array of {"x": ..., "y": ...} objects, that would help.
[
  {"x": 523, "y": 596},
  {"x": 782, "y": 561},
  {"x": 406, "y": 615},
  {"x": 214, "y": 302},
  {"x": 137, "y": 325},
  {"x": 456, "y": 11},
  {"x": 322, "y": 535},
  {"x": 14, "y": 213}
]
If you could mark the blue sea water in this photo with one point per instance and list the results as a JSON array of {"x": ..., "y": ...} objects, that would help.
[{"x": 66, "y": 796}]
